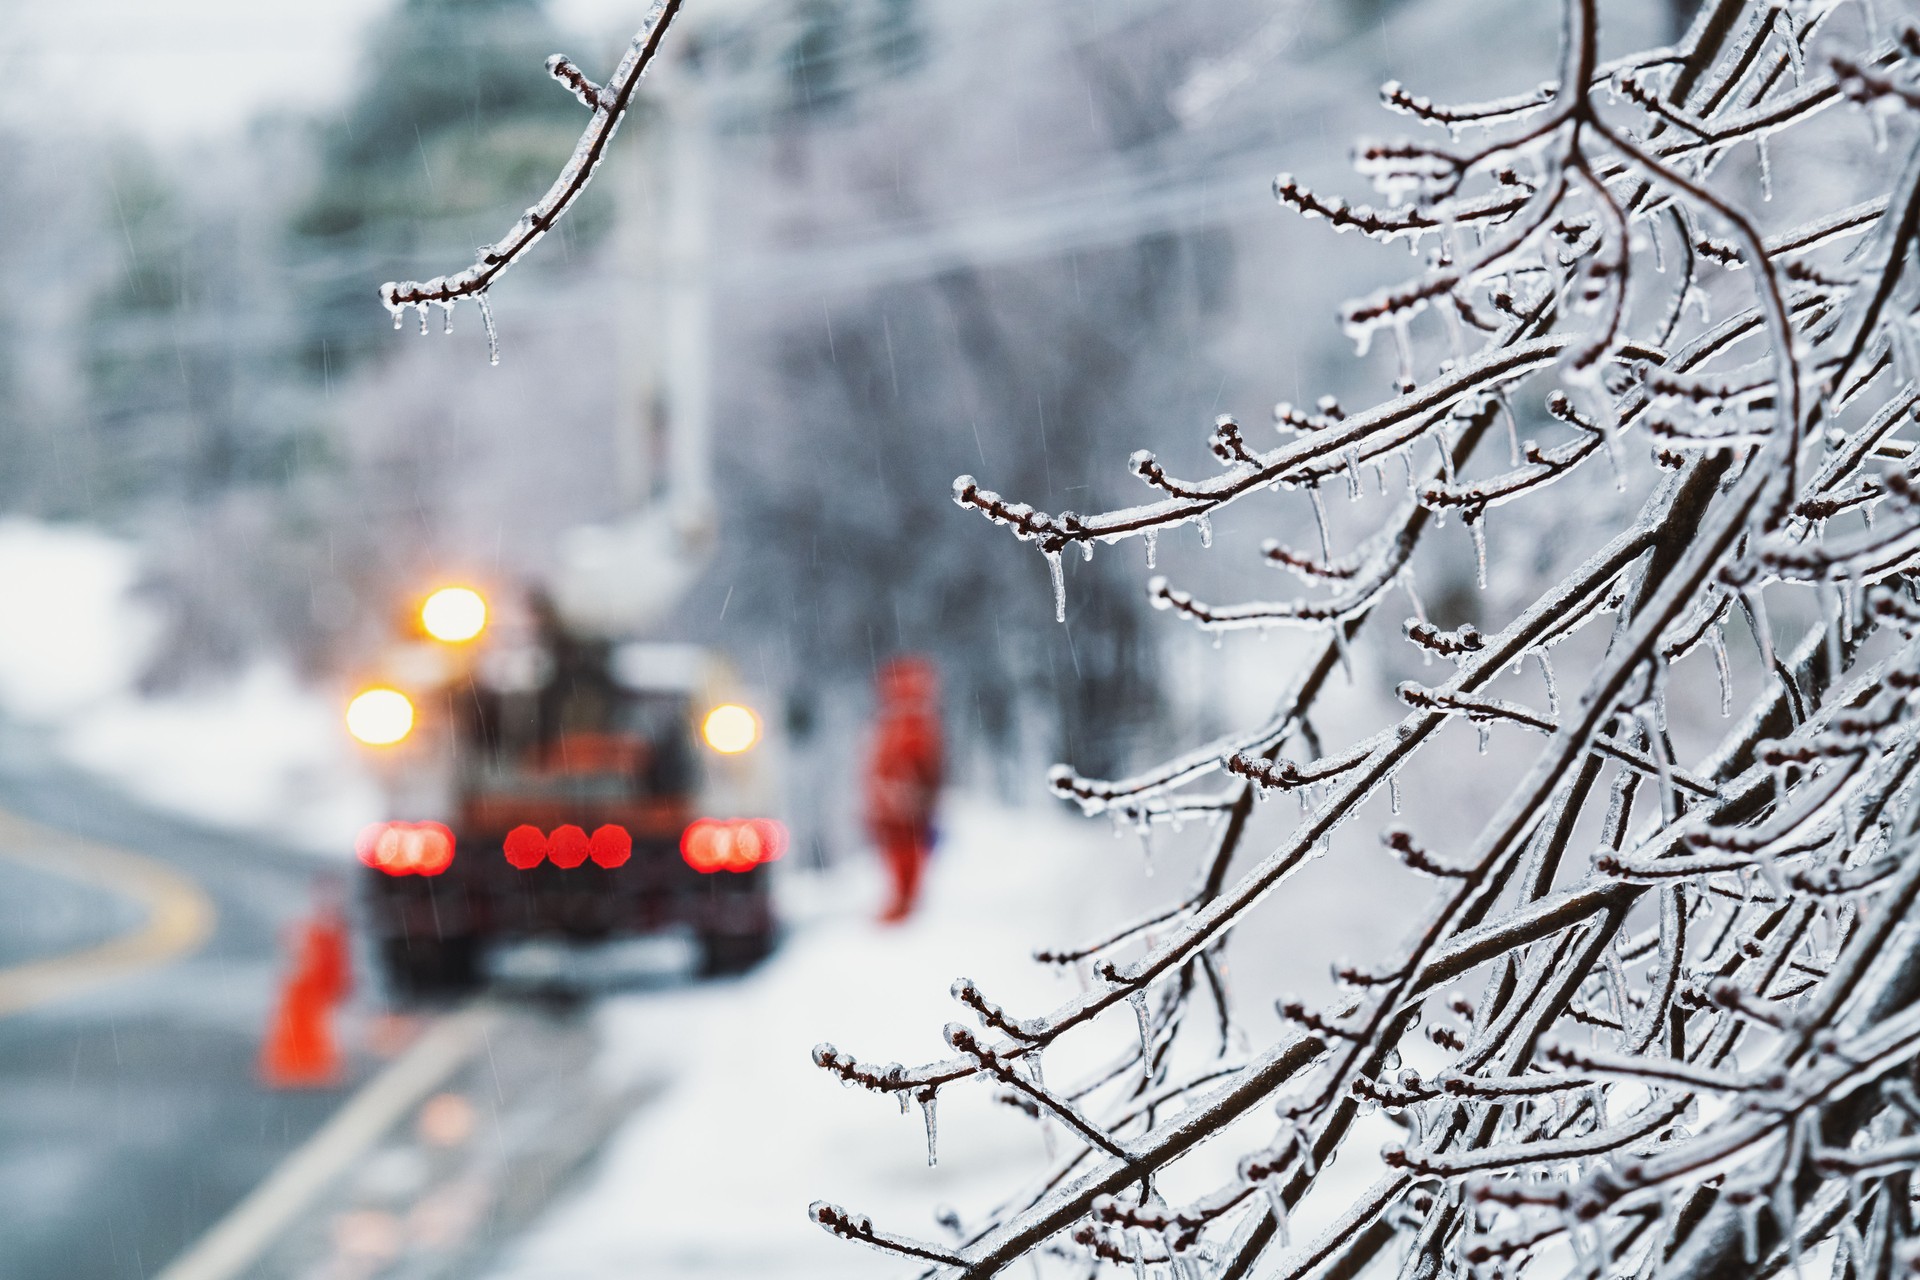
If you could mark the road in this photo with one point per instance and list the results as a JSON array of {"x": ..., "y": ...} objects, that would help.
[
  {"x": 137, "y": 963},
  {"x": 139, "y": 959},
  {"x": 450, "y": 1152}
]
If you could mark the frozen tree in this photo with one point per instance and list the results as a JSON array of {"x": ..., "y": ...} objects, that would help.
[
  {"x": 1662, "y": 1017},
  {"x": 886, "y": 385}
]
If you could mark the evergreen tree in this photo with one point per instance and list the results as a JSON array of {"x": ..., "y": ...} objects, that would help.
[{"x": 453, "y": 127}]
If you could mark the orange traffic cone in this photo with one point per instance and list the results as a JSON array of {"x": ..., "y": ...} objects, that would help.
[
  {"x": 300, "y": 1051},
  {"x": 327, "y": 959}
]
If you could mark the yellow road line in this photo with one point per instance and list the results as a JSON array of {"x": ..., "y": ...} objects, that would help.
[{"x": 179, "y": 915}]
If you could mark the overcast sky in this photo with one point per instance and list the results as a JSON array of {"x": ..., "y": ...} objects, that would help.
[{"x": 173, "y": 70}]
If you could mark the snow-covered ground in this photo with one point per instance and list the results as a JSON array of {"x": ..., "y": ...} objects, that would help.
[
  {"x": 258, "y": 753},
  {"x": 711, "y": 1179}
]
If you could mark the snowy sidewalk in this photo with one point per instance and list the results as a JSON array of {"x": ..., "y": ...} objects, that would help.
[{"x": 712, "y": 1179}]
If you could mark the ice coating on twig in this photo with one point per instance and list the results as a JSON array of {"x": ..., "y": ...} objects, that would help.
[
  {"x": 608, "y": 105},
  {"x": 1656, "y": 1018}
]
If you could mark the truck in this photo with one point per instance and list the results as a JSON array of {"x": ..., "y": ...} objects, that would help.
[{"x": 545, "y": 784}]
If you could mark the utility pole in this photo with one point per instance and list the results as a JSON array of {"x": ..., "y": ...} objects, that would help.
[
  {"x": 640, "y": 406},
  {"x": 689, "y": 309},
  {"x": 621, "y": 578}
]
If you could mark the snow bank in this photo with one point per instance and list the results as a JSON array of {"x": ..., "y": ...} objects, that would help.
[
  {"x": 258, "y": 753},
  {"x": 74, "y": 635}
]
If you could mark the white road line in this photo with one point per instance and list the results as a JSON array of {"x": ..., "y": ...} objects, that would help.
[
  {"x": 179, "y": 915},
  {"x": 235, "y": 1242}
]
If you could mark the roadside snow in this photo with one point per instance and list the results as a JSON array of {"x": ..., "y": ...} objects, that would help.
[
  {"x": 74, "y": 634},
  {"x": 259, "y": 753}
]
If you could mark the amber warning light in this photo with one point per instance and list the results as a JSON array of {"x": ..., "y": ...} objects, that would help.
[
  {"x": 454, "y": 614},
  {"x": 380, "y": 717},
  {"x": 730, "y": 729}
]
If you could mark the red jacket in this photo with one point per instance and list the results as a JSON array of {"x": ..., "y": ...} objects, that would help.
[{"x": 904, "y": 769}]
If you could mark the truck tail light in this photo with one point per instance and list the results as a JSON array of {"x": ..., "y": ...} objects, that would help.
[
  {"x": 610, "y": 847},
  {"x": 736, "y": 844},
  {"x": 568, "y": 846},
  {"x": 526, "y": 847},
  {"x": 406, "y": 848}
]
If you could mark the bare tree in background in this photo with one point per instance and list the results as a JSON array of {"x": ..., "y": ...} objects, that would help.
[{"x": 1692, "y": 1053}]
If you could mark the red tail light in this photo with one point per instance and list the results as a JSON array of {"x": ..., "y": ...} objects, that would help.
[
  {"x": 738, "y": 844},
  {"x": 568, "y": 846},
  {"x": 610, "y": 847},
  {"x": 526, "y": 847},
  {"x": 406, "y": 848}
]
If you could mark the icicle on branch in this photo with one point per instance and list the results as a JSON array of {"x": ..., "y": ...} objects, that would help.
[
  {"x": 1662, "y": 1016},
  {"x": 608, "y": 105}
]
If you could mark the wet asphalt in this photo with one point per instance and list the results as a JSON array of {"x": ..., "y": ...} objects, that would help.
[{"x": 131, "y": 1118}]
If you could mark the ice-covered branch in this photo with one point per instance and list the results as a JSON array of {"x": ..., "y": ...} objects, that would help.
[
  {"x": 608, "y": 104},
  {"x": 1661, "y": 1014}
]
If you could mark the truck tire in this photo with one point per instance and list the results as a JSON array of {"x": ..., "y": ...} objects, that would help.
[
  {"x": 420, "y": 967},
  {"x": 722, "y": 954}
]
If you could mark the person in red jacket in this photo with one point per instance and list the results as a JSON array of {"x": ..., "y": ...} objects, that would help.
[{"x": 903, "y": 776}]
